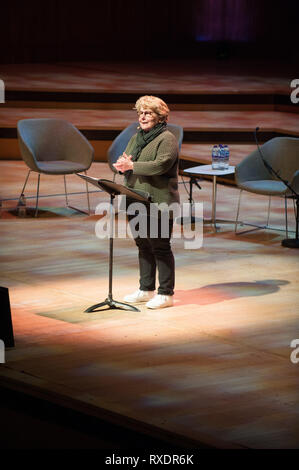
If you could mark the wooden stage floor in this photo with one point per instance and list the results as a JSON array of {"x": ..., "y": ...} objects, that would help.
[{"x": 213, "y": 370}]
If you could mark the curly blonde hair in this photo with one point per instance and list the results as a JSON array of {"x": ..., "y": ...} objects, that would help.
[{"x": 154, "y": 104}]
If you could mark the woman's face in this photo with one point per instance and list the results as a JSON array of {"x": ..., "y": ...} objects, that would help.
[{"x": 147, "y": 119}]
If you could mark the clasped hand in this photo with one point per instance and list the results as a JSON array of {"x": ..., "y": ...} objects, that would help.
[{"x": 124, "y": 163}]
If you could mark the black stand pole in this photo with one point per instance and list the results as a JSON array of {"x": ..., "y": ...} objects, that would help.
[
  {"x": 293, "y": 242},
  {"x": 109, "y": 302}
]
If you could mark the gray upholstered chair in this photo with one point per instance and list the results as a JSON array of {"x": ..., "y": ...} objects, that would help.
[
  {"x": 282, "y": 153},
  {"x": 120, "y": 142},
  {"x": 178, "y": 132},
  {"x": 53, "y": 147}
]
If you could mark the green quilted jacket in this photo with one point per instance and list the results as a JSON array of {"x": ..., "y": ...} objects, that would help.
[{"x": 156, "y": 170}]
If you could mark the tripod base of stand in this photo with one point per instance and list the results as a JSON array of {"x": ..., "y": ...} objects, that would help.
[
  {"x": 291, "y": 242},
  {"x": 110, "y": 303}
]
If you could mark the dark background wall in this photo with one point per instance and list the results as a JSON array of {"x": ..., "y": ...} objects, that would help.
[{"x": 57, "y": 30}]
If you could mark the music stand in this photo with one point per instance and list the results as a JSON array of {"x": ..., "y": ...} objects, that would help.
[{"x": 114, "y": 189}]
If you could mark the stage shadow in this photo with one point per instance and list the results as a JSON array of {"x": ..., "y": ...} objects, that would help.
[
  {"x": 207, "y": 295},
  {"x": 43, "y": 213},
  {"x": 215, "y": 293}
]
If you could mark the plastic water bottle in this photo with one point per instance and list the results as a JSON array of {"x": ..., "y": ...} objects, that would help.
[
  {"x": 221, "y": 157},
  {"x": 226, "y": 157},
  {"x": 215, "y": 159},
  {"x": 22, "y": 206}
]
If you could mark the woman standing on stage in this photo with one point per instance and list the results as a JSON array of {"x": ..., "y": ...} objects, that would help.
[{"x": 150, "y": 164}]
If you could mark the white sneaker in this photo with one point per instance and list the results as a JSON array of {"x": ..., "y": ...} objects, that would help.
[
  {"x": 139, "y": 296},
  {"x": 160, "y": 301}
]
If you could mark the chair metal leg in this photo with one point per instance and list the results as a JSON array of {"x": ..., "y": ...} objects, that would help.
[
  {"x": 286, "y": 214},
  {"x": 22, "y": 192},
  {"x": 76, "y": 208},
  {"x": 65, "y": 191},
  {"x": 37, "y": 194},
  {"x": 87, "y": 194},
  {"x": 256, "y": 227},
  {"x": 238, "y": 210},
  {"x": 268, "y": 215}
]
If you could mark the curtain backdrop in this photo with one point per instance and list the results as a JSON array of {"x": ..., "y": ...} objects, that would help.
[{"x": 56, "y": 30}]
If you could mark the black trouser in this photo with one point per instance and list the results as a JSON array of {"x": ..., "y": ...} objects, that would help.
[{"x": 155, "y": 252}]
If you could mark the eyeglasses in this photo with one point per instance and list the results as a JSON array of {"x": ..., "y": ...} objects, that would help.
[{"x": 146, "y": 113}]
